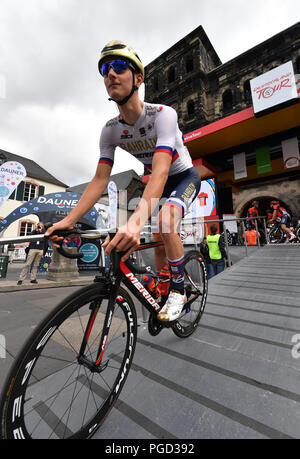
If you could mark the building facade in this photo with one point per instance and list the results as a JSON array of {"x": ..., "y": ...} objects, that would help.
[
  {"x": 130, "y": 189},
  {"x": 214, "y": 102},
  {"x": 38, "y": 182}
]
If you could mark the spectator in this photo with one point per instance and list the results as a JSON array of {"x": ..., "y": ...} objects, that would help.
[
  {"x": 35, "y": 254},
  {"x": 11, "y": 250},
  {"x": 252, "y": 212},
  {"x": 217, "y": 250},
  {"x": 205, "y": 252}
]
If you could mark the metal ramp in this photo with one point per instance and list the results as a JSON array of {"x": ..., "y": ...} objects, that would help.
[{"x": 238, "y": 376}]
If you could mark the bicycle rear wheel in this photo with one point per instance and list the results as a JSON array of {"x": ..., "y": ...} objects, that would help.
[
  {"x": 48, "y": 393},
  {"x": 196, "y": 287}
]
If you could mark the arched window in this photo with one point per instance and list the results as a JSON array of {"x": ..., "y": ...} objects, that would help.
[
  {"x": 227, "y": 100},
  {"x": 247, "y": 91},
  {"x": 189, "y": 65},
  {"x": 171, "y": 75},
  {"x": 191, "y": 108}
]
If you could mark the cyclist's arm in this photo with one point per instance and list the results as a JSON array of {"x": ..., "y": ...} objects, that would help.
[
  {"x": 128, "y": 237},
  {"x": 91, "y": 195},
  {"x": 274, "y": 216},
  {"x": 94, "y": 189}
]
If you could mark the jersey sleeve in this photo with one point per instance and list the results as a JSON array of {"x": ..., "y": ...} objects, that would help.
[
  {"x": 166, "y": 131},
  {"x": 107, "y": 148}
]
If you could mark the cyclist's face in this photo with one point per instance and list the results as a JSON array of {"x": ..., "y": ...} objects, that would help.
[{"x": 118, "y": 85}]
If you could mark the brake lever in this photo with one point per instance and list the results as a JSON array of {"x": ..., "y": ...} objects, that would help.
[{"x": 64, "y": 234}]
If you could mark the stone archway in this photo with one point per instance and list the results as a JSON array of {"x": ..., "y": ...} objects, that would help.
[
  {"x": 249, "y": 197},
  {"x": 285, "y": 191}
]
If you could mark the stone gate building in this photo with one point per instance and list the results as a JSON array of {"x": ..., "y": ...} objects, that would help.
[{"x": 214, "y": 102}]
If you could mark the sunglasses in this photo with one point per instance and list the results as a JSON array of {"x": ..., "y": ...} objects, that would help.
[{"x": 118, "y": 66}]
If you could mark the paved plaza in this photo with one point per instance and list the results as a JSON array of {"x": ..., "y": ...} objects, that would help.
[{"x": 237, "y": 376}]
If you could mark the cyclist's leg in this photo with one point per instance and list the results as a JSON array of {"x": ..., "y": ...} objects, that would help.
[
  {"x": 169, "y": 221},
  {"x": 285, "y": 225},
  {"x": 160, "y": 257},
  {"x": 184, "y": 190},
  {"x": 37, "y": 259},
  {"x": 25, "y": 270}
]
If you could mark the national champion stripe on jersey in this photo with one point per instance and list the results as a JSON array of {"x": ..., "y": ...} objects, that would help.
[
  {"x": 108, "y": 161},
  {"x": 164, "y": 150}
]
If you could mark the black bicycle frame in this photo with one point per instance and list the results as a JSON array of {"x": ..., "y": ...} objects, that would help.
[
  {"x": 139, "y": 291},
  {"x": 121, "y": 272}
]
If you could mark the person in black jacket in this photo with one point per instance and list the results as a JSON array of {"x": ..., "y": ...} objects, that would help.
[
  {"x": 34, "y": 256},
  {"x": 205, "y": 253}
]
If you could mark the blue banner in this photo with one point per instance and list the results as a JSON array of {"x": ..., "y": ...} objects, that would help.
[{"x": 52, "y": 208}]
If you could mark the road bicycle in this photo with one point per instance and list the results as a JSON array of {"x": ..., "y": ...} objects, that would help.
[
  {"x": 276, "y": 233},
  {"x": 71, "y": 370}
]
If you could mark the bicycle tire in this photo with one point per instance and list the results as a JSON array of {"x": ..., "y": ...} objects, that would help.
[
  {"x": 47, "y": 378},
  {"x": 276, "y": 235},
  {"x": 195, "y": 281}
]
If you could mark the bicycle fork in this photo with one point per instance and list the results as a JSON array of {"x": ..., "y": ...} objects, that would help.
[{"x": 98, "y": 366}]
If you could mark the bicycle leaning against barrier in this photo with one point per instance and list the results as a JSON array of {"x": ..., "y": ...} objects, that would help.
[{"x": 73, "y": 367}]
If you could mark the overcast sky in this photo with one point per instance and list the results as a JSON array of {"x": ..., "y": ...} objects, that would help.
[{"x": 52, "y": 100}]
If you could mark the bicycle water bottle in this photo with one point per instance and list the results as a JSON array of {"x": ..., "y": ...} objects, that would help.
[
  {"x": 164, "y": 279},
  {"x": 150, "y": 284}
]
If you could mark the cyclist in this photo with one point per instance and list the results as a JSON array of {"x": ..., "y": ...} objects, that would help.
[
  {"x": 150, "y": 132},
  {"x": 252, "y": 212},
  {"x": 280, "y": 212}
]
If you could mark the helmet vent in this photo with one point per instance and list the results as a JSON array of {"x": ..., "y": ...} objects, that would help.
[{"x": 112, "y": 48}]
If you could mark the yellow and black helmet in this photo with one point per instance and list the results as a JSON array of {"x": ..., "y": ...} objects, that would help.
[{"x": 117, "y": 48}]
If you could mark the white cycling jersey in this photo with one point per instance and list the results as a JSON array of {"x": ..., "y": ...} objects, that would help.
[{"x": 156, "y": 130}]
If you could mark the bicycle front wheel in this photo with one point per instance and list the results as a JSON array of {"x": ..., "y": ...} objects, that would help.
[
  {"x": 49, "y": 393},
  {"x": 196, "y": 287},
  {"x": 276, "y": 235}
]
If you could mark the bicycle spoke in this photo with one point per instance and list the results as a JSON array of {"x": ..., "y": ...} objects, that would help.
[
  {"x": 52, "y": 393},
  {"x": 55, "y": 398}
]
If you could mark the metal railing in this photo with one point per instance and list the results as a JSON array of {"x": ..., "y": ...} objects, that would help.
[
  {"x": 198, "y": 226},
  {"x": 241, "y": 234}
]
